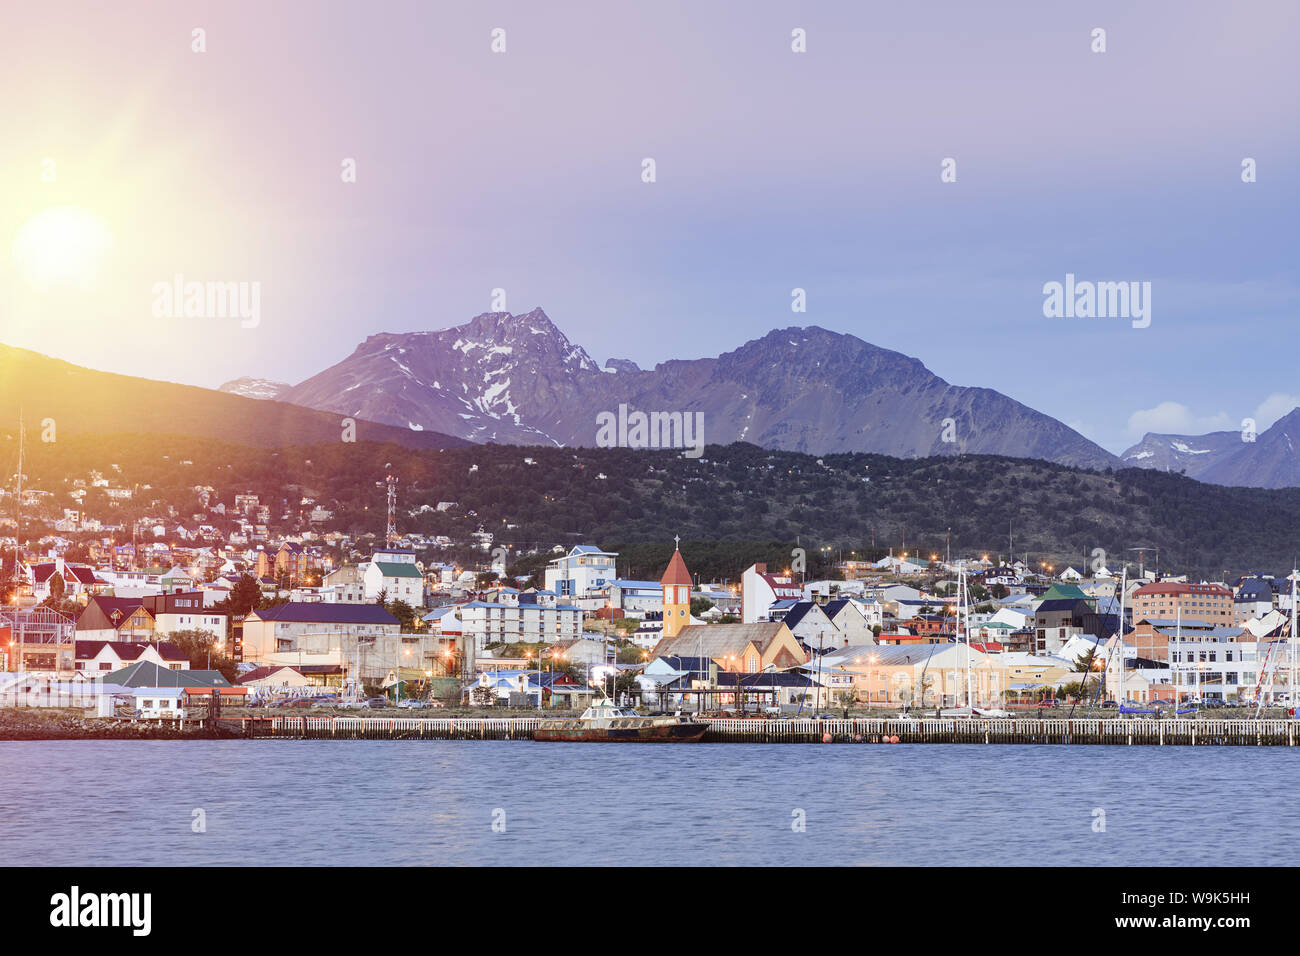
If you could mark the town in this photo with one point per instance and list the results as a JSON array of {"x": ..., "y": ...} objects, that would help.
[{"x": 182, "y": 618}]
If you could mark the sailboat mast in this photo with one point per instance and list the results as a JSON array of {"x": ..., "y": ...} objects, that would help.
[
  {"x": 1291, "y": 640},
  {"x": 965, "y": 625},
  {"x": 1119, "y": 637}
]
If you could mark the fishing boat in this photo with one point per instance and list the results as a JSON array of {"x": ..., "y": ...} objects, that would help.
[{"x": 605, "y": 721}]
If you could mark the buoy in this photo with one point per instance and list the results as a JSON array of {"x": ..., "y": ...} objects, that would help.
[
  {"x": 827, "y": 738},
  {"x": 857, "y": 738},
  {"x": 893, "y": 740}
]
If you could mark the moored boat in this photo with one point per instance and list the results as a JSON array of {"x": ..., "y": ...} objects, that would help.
[{"x": 604, "y": 721}]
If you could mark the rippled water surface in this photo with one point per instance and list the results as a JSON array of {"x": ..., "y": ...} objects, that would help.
[{"x": 427, "y": 802}]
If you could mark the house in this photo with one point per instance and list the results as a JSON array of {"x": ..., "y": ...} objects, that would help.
[
  {"x": 275, "y": 681},
  {"x": 396, "y": 575},
  {"x": 75, "y": 580},
  {"x": 196, "y": 684},
  {"x": 345, "y": 585},
  {"x": 664, "y": 680},
  {"x": 1005, "y": 576},
  {"x": 919, "y": 675},
  {"x": 760, "y": 590},
  {"x": 159, "y": 703},
  {"x": 175, "y": 579},
  {"x": 41, "y": 640},
  {"x": 807, "y": 620},
  {"x": 115, "y": 619},
  {"x": 582, "y": 652},
  {"x": 1057, "y": 620},
  {"x": 635, "y": 598},
  {"x": 581, "y": 573},
  {"x": 94, "y": 658},
  {"x": 289, "y": 561},
  {"x": 554, "y": 687},
  {"x": 184, "y": 611},
  {"x": 1254, "y": 599},
  {"x": 737, "y": 647},
  {"x": 273, "y": 629}
]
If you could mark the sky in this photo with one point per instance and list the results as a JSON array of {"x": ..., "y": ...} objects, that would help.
[{"x": 129, "y": 157}]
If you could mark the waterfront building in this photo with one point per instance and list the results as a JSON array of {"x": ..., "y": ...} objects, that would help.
[
  {"x": 736, "y": 647},
  {"x": 1207, "y": 602},
  {"x": 280, "y": 628}
]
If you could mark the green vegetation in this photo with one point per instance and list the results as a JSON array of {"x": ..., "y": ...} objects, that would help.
[{"x": 736, "y": 505}]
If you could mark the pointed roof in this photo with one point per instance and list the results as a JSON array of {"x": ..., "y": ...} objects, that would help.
[{"x": 676, "y": 573}]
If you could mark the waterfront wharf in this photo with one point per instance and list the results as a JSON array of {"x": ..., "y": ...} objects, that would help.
[{"x": 960, "y": 730}]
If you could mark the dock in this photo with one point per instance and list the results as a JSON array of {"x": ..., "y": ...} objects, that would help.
[{"x": 1112, "y": 731}]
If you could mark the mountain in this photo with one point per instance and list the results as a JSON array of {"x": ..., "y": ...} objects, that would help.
[
  {"x": 1272, "y": 460},
  {"x": 516, "y": 379},
  {"x": 76, "y": 400},
  {"x": 1192, "y": 455},
  {"x": 254, "y": 387}
]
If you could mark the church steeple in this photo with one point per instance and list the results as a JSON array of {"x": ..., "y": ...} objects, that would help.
[{"x": 677, "y": 592}]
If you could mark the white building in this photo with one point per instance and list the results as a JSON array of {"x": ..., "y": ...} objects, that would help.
[
  {"x": 579, "y": 574},
  {"x": 396, "y": 574},
  {"x": 493, "y": 622},
  {"x": 760, "y": 590}
]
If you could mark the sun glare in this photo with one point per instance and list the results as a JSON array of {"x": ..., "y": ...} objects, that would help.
[{"x": 62, "y": 247}]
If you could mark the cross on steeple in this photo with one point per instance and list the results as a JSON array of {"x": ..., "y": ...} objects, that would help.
[{"x": 677, "y": 542}]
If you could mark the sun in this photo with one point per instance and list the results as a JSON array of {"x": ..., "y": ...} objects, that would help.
[{"x": 62, "y": 247}]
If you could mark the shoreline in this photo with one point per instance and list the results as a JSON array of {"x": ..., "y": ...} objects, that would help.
[{"x": 52, "y": 725}]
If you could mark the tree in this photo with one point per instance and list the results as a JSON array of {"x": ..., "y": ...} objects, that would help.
[
  {"x": 205, "y": 651},
  {"x": 404, "y": 613},
  {"x": 57, "y": 587},
  {"x": 699, "y": 605},
  {"x": 245, "y": 596}
]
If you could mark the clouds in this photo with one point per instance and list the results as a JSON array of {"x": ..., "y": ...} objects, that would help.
[{"x": 1174, "y": 418}]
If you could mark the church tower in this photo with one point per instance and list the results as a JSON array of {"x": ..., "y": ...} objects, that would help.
[{"x": 677, "y": 593}]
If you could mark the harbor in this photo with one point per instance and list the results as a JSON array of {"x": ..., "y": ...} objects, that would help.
[{"x": 1199, "y": 732}]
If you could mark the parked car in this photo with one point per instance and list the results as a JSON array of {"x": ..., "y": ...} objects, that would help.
[
  {"x": 377, "y": 703},
  {"x": 412, "y": 703},
  {"x": 1108, "y": 703},
  {"x": 350, "y": 705},
  {"x": 1213, "y": 703}
]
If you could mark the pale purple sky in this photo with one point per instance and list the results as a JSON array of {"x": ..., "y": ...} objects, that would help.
[{"x": 819, "y": 170}]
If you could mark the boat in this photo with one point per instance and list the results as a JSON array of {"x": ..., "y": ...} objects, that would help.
[{"x": 604, "y": 721}]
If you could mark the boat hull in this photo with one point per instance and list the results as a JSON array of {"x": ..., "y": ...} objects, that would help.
[{"x": 650, "y": 734}]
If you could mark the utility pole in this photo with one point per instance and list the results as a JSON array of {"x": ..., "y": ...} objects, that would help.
[{"x": 18, "y": 508}]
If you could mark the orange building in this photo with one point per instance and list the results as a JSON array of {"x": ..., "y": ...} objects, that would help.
[
  {"x": 677, "y": 595},
  {"x": 1211, "y": 603}
]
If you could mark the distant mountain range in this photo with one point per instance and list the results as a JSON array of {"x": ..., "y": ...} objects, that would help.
[
  {"x": 1225, "y": 458},
  {"x": 83, "y": 401},
  {"x": 516, "y": 379}
]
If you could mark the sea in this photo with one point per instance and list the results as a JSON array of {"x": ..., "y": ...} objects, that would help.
[{"x": 436, "y": 803}]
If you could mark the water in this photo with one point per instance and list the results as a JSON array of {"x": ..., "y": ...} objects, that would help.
[{"x": 313, "y": 803}]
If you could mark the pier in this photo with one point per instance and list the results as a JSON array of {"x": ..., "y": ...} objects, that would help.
[{"x": 1170, "y": 733}]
